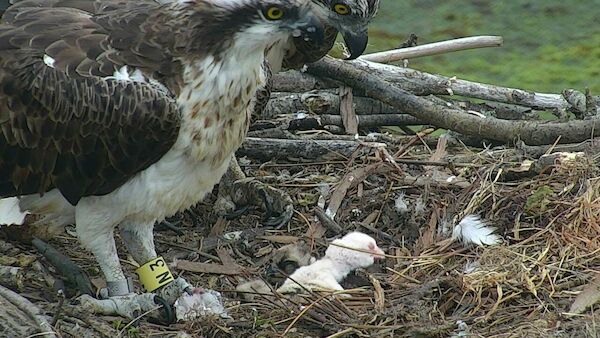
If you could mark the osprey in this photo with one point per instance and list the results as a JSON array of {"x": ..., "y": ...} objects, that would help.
[{"x": 117, "y": 114}]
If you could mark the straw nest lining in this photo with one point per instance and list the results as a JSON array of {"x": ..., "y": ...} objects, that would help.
[
  {"x": 547, "y": 213},
  {"x": 546, "y": 210}
]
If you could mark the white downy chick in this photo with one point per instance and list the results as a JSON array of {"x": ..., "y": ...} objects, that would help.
[
  {"x": 340, "y": 259},
  {"x": 473, "y": 230}
]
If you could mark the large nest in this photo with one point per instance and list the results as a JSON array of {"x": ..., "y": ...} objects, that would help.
[{"x": 545, "y": 209}]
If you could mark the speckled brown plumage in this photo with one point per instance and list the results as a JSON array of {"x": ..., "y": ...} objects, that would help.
[
  {"x": 263, "y": 93},
  {"x": 95, "y": 132}
]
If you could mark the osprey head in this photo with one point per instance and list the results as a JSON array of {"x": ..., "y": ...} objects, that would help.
[
  {"x": 351, "y": 18},
  {"x": 261, "y": 20}
]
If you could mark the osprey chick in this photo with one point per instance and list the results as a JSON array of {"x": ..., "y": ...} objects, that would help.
[
  {"x": 354, "y": 250},
  {"x": 121, "y": 113}
]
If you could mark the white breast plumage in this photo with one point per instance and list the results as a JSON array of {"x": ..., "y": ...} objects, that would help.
[{"x": 215, "y": 105}]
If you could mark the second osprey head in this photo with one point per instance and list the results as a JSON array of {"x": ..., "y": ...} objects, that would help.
[{"x": 351, "y": 18}]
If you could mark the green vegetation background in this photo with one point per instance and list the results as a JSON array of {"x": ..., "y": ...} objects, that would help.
[{"x": 549, "y": 45}]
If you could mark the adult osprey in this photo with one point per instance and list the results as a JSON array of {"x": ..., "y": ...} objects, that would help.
[{"x": 119, "y": 113}]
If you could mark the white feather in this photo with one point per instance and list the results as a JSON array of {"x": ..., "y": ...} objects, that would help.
[
  {"x": 401, "y": 205},
  {"x": 137, "y": 76},
  {"x": 49, "y": 61},
  {"x": 470, "y": 267},
  {"x": 420, "y": 206},
  {"x": 199, "y": 304},
  {"x": 300, "y": 115},
  {"x": 472, "y": 230},
  {"x": 10, "y": 212},
  {"x": 122, "y": 74}
]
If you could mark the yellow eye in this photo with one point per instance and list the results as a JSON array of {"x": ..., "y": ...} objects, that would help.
[
  {"x": 341, "y": 9},
  {"x": 274, "y": 13}
]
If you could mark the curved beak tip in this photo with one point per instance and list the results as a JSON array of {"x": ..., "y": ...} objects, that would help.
[{"x": 356, "y": 43}]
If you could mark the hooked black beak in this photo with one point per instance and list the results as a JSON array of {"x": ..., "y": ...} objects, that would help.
[{"x": 356, "y": 43}]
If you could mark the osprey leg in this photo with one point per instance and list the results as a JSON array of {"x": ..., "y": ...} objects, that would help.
[
  {"x": 102, "y": 245},
  {"x": 139, "y": 240}
]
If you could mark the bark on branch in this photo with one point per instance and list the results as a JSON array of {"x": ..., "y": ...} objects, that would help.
[
  {"x": 423, "y": 84},
  {"x": 265, "y": 148},
  {"x": 322, "y": 102},
  {"x": 364, "y": 76}
]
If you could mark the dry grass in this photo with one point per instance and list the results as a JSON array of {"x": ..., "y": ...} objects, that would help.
[{"x": 548, "y": 216}]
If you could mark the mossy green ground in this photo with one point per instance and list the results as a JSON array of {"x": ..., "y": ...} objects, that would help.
[{"x": 549, "y": 45}]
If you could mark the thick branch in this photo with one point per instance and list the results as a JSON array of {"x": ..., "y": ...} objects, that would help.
[
  {"x": 18, "y": 314},
  {"x": 296, "y": 81},
  {"x": 420, "y": 83},
  {"x": 423, "y": 84},
  {"x": 362, "y": 75},
  {"x": 281, "y": 111},
  {"x": 328, "y": 102},
  {"x": 322, "y": 102},
  {"x": 370, "y": 121},
  {"x": 590, "y": 147},
  {"x": 265, "y": 148}
]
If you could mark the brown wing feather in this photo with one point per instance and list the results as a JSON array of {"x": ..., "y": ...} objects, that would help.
[
  {"x": 67, "y": 127},
  {"x": 95, "y": 41}
]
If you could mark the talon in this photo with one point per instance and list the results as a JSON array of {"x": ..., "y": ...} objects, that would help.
[
  {"x": 249, "y": 191},
  {"x": 172, "y": 226},
  {"x": 269, "y": 210},
  {"x": 236, "y": 213},
  {"x": 279, "y": 221},
  {"x": 132, "y": 305},
  {"x": 168, "y": 315},
  {"x": 273, "y": 218},
  {"x": 174, "y": 290}
]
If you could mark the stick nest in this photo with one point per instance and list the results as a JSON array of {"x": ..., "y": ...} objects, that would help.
[{"x": 546, "y": 210}]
